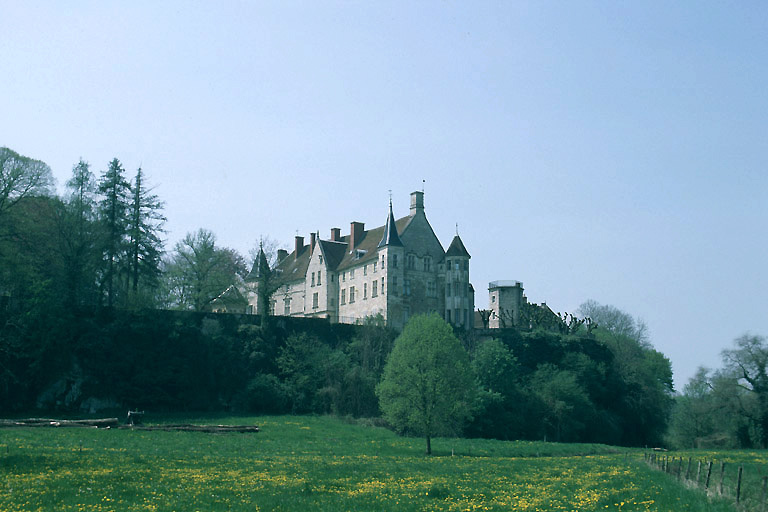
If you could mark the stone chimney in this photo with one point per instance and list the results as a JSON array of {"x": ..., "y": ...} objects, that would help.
[
  {"x": 335, "y": 234},
  {"x": 356, "y": 230},
  {"x": 417, "y": 202},
  {"x": 312, "y": 240},
  {"x": 298, "y": 246},
  {"x": 281, "y": 254}
]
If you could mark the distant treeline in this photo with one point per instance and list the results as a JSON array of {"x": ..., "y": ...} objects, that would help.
[{"x": 534, "y": 385}]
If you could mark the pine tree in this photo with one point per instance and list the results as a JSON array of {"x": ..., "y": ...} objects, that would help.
[
  {"x": 145, "y": 225},
  {"x": 113, "y": 216},
  {"x": 80, "y": 234}
]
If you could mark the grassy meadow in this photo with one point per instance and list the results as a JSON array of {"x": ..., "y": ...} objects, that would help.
[{"x": 321, "y": 463}]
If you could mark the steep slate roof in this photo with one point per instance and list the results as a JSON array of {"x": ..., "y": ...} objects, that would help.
[
  {"x": 292, "y": 268},
  {"x": 457, "y": 248},
  {"x": 369, "y": 244},
  {"x": 333, "y": 251},
  {"x": 339, "y": 256}
]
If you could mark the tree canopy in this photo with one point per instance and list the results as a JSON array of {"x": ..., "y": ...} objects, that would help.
[{"x": 428, "y": 387}]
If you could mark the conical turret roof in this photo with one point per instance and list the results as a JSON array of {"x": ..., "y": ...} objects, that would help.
[
  {"x": 260, "y": 266},
  {"x": 390, "y": 237},
  {"x": 457, "y": 248}
]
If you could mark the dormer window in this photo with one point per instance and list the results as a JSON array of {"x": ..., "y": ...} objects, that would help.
[
  {"x": 320, "y": 257},
  {"x": 359, "y": 253}
]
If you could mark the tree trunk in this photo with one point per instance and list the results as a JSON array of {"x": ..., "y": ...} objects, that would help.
[{"x": 429, "y": 445}]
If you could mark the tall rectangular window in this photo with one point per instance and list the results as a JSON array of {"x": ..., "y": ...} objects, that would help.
[
  {"x": 394, "y": 261},
  {"x": 382, "y": 286},
  {"x": 427, "y": 264},
  {"x": 351, "y": 294},
  {"x": 287, "y": 307},
  {"x": 352, "y": 275},
  {"x": 344, "y": 277},
  {"x": 318, "y": 278},
  {"x": 343, "y": 297},
  {"x": 374, "y": 266},
  {"x": 375, "y": 289},
  {"x": 314, "y": 300},
  {"x": 382, "y": 261},
  {"x": 407, "y": 285},
  {"x": 365, "y": 290},
  {"x": 313, "y": 279},
  {"x": 365, "y": 270}
]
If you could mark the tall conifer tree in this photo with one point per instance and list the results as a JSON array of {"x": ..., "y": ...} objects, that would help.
[
  {"x": 113, "y": 214},
  {"x": 145, "y": 225},
  {"x": 80, "y": 241}
]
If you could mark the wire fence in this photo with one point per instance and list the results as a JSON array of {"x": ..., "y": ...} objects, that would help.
[{"x": 742, "y": 483}]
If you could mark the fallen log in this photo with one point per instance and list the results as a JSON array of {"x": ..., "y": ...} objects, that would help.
[
  {"x": 212, "y": 429},
  {"x": 49, "y": 422}
]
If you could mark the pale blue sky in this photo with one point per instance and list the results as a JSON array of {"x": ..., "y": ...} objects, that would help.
[{"x": 615, "y": 151}]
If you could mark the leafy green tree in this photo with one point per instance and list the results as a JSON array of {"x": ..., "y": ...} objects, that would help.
[
  {"x": 501, "y": 400},
  {"x": 145, "y": 225},
  {"x": 694, "y": 416},
  {"x": 495, "y": 366},
  {"x": 567, "y": 407},
  {"x": 747, "y": 363},
  {"x": 428, "y": 387},
  {"x": 645, "y": 385},
  {"x": 198, "y": 271},
  {"x": 21, "y": 177},
  {"x": 113, "y": 214},
  {"x": 313, "y": 373}
]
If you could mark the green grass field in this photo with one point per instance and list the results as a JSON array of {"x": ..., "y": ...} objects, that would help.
[{"x": 319, "y": 463}]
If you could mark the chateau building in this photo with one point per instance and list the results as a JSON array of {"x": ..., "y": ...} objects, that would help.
[{"x": 395, "y": 270}]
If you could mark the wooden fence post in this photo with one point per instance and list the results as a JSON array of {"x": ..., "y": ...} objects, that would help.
[
  {"x": 679, "y": 468},
  {"x": 722, "y": 477},
  {"x": 762, "y": 500},
  {"x": 688, "y": 470},
  {"x": 698, "y": 474},
  {"x": 738, "y": 485},
  {"x": 709, "y": 474}
]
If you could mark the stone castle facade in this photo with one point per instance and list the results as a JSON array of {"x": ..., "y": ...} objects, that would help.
[{"x": 395, "y": 270}]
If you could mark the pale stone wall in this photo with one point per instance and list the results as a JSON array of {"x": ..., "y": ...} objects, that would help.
[
  {"x": 317, "y": 282},
  {"x": 459, "y": 300},
  {"x": 361, "y": 278},
  {"x": 505, "y": 300},
  {"x": 293, "y": 293}
]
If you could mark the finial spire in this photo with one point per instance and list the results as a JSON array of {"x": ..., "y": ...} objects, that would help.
[{"x": 457, "y": 228}]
